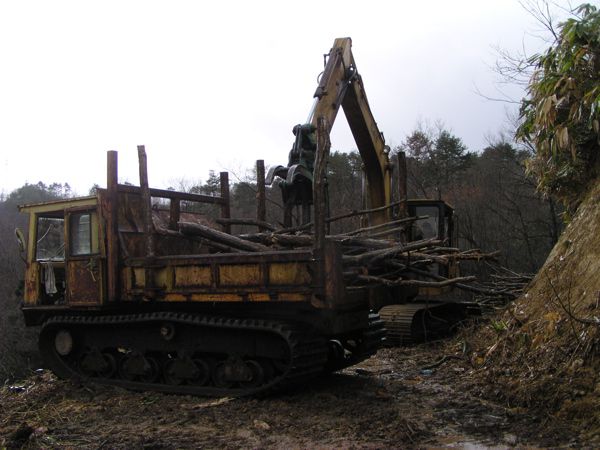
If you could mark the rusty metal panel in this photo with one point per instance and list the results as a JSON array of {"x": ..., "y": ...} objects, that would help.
[
  {"x": 84, "y": 281},
  {"x": 32, "y": 284},
  {"x": 127, "y": 281},
  {"x": 225, "y": 258},
  {"x": 221, "y": 297},
  {"x": 139, "y": 278},
  {"x": 192, "y": 276},
  {"x": 333, "y": 277},
  {"x": 240, "y": 275},
  {"x": 175, "y": 297},
  {"x": 130, "y": 213},
  {"x": 289, "y": 274},
  {"x": 294, "y": 297}
]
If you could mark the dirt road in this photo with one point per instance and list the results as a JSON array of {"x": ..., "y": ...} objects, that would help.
[{"x": 389, "y": 401}]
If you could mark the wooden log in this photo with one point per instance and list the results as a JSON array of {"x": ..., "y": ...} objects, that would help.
[
  {"x": 246, "y": 221},
  {"x": 309, "y": 225},
  {"x": 464, "y": 287},
  {"x": 363, "y": 242},
  {"x": 374, "y": 256},
  {"x": 195, "y": 229},
  {"x": 261, "y": 196},
  {"x": 384, "y": 225},
  {"x": 148, "y": 225},
  {"x": 146, "y": 201},
  {"x": 416, "y": 283},
  {"x": 321, "y": 209},
  {"x": 364, "y": 211},
  {"x": 164, "y": 193},
  {"x": 283, "y": 240},
  {"x": 287, "y": 230},
  {"x": 401, "y": 230},
  {"x": 174, "y": 213},
  {"x": 435, "y": 284},
  {"x": 304, "y": 240},
  {"x": 319, "y": 184},
  {"x": 434, "y": 258},
  {"x": 211, "y": 244},
  {"x": 225, "y": 206},
  {"x": 112, "y": 226}
]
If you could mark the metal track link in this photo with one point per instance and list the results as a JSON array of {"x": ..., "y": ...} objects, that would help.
[
  {"x": 371, "y": 341},
  {"x": 307, "y": 350}
]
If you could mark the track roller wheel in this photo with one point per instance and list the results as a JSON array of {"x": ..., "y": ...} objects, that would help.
[
  {"x": 180, "y": 371},
  {"x": 203, "y": 372},
  {"x": 93, "y": 363},
  {"x": 219, "y": 375},
  {"x": 152, "y": 371},
  {"x": 134, "y": 367},
  {"x": 256, "y": 374}
]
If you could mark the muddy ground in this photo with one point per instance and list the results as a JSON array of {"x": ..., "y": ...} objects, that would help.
[{"x": 389, "y": 401}]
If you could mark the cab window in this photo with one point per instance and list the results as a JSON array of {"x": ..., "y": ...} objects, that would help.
[
  {"x": 426, "y": 228},
  {"x": 50, "y": 239},
  {"x": 80, "y": 227}
]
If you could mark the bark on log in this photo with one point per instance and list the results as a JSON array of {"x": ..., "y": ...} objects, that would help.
[
  {"x": 196, "y": 229},
  {"x": 384, "y": 225},
  {"x": 247, "y": 221},
  {"x": 286, "y": 240},
  {"x": 377, "y": 255},
  {"x": 464, "y": 287},
  {"x": 308, "y": 225},
  {"x": 417, "y": 283},
  {"x": 212, "y": 244}
]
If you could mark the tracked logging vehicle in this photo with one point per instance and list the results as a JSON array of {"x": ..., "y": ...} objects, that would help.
[{"x": 129, "y": 294}]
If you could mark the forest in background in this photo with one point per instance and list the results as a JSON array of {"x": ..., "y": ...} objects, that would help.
[{"x": 496, "y": 208}]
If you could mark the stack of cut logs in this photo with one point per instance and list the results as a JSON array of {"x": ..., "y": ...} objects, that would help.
[{"x": 369, "y": 259}]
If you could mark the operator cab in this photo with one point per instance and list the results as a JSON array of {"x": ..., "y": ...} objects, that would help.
[
  {"x": 63, "y": 251},
  {"x": 437, "y": 225}
]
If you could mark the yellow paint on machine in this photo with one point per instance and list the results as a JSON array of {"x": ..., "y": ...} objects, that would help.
[
  {"x": 229, "y": 297},
  {"x": 240, "y": 275},
  {"x": 139, "y": 277},
  {"x": 32, "y": 284},
  {"x": 293, "y": 273},
  {"x": 221, "y": 297},
  {"x": 258, "y": 297},
  {"x": 192, "y": 276},
  {"x": 175, "y": 298},
  {"x": 293, "y": 297}
]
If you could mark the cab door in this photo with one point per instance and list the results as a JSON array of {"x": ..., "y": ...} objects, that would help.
[{"x": 84, "y": 262}]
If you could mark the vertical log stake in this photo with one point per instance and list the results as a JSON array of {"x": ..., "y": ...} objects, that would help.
[
  {"x": 320, "y": 199},
  {"x": 225, "y": 206},
  {"x": 112, "y": 226},
  {"x": 261, "y": 199}
]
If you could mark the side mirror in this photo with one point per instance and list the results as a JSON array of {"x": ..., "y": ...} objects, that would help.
[{"x": 20, "y": 240}]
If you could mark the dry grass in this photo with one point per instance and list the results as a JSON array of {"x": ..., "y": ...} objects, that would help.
[{"x": 543, "y": 352}]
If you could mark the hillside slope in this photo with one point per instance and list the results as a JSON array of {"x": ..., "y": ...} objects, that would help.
[{"x": 544, "y": 351}]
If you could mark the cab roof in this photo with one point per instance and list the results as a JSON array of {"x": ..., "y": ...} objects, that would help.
[{"x": 57, "y": 205}]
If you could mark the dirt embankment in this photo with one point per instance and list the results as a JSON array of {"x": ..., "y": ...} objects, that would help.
[{"x": 543, "y": 353}]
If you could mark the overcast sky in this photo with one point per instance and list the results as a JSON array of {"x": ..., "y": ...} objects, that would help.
[{"x": 217, "y": 85}]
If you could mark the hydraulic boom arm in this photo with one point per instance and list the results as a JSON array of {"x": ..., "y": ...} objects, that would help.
[{"x": 341, "y": 85}]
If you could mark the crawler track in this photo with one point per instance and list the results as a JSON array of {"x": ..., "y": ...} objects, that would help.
[{"x": 183, "y": 353}]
